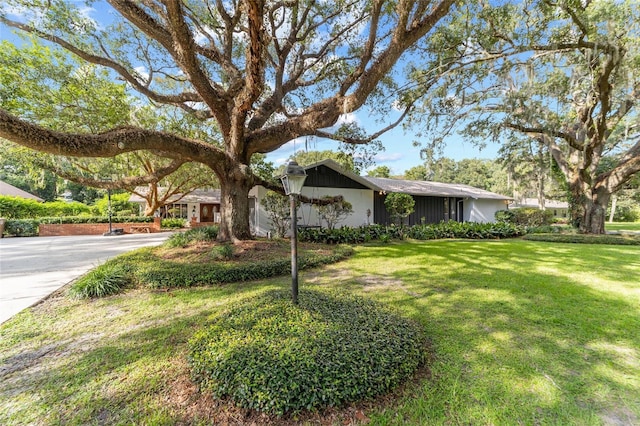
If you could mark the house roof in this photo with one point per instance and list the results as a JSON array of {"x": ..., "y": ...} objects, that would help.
[
  {"x": 12, "y": 191},
  {"x": 533, "y": 203},
  {"x": 438, "y": 189},
  {"x": 209, "y": 196},
  {"x": 332, "y": 164},
  {"x": 414, "y": 187}
]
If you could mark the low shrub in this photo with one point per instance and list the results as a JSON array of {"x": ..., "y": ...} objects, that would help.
[
  {"x": 173, "y": 223},
  {"x": 167, "y": 274},
  {"x": 107, "y": 279},
  {"x": 205, "y": 233},
  {"x": 144, "y": 268},
  {"x": 525, "y": 216},
  {"x": 94, "y": 219},
  {"x": 267, "y": 354},
  {"x": 585, "y": 239},
  {"x": 21, "y": 227},
  {"x": 450, "y": 229},
  {"x": 222, "y": 252}
]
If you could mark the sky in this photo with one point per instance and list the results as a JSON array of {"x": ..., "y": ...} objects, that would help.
[{"x": 399, "y": 152}]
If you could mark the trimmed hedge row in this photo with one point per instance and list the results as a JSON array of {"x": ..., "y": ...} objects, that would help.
[
  {"x": 267, "y": 354},
  {"x": 21, "y": 227},
  {"x": 21, "y": 208},
  {"x": 451, "y": 229},
  {"x": 173, "y": 274},
  {"x": 143, "y": 268},
  {"x": 95, "y": 219},
  {"x": 29, "y": 227}
]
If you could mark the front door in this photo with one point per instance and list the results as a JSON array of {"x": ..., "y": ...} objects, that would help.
[{"x": 206, "y": 212}]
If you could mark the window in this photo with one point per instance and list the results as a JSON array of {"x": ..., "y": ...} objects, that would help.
[{"x": 174, "y": 211}]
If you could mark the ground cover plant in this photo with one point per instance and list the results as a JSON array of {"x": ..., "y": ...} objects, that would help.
[
  {"x": 521, "y": 332},
  {"x": 194, "y": 258},
  {"x": 266, "y": 353}
]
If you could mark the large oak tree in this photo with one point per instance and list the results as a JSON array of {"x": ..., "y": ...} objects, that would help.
[
  {"x": 259, "y": 72},
  {"x": 563, "y": 73}
]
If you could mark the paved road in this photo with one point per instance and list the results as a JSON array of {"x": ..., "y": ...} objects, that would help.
[{"x": 34, "y": 267}]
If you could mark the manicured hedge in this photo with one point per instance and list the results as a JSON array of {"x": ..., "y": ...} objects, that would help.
[
  {"x": 168, "y": 274},
  {"x": 451, "y": 229},
  {"x": 21, "y": 227},
  {"x": 525, "y": 216},
  {"x": 29, "y": 227},
  {"x": 144, "y": 268},
  {"x": 267, "y": 354},
  {"x": 22, "y": 208},
  {"x": 95, "y": 219}
]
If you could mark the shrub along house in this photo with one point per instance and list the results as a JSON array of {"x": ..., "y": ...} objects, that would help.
[{"x": 435, "y": 201}]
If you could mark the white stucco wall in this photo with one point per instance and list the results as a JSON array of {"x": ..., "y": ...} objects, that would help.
[
  {"x": 360, "y": 199},
  {"x": 482, "y": 211},
  {"x": 261, "y": 224}
]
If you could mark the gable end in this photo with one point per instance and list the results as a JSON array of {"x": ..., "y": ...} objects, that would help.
[{"x": 324, "y": 177}]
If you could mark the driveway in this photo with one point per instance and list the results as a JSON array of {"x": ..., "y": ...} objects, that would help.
[{"x": 32, "y": 268}]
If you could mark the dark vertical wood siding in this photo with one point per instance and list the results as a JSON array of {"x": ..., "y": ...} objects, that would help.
[
  {"x": 324, "y": 177},
  {"x": 432, "y": 209}
]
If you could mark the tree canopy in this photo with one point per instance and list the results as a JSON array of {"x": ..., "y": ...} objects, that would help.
[
  {"x": 257, "y": 73},
  {"x": 565, "y": 76}
]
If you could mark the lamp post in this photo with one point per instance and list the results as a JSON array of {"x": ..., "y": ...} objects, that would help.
[
  {"x": 109, "y": 211},
  {"x": 293, "y": 181},
  {"x": 111, "y": 232}
]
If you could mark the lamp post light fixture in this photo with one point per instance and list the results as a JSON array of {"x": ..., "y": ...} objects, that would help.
[{"x": 293, "y": 181}]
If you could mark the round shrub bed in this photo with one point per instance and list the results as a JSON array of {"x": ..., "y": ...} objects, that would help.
[{"x": 267, "y": 354}]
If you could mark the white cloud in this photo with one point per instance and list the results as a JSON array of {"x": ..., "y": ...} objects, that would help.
[
  {"x": 389, "y": 157},
  {"x": 142, "y": 73},
  {"x": 347, "y": 118}
]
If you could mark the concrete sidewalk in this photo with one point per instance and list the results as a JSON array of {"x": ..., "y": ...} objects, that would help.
[{"x": 31, "y": 268}]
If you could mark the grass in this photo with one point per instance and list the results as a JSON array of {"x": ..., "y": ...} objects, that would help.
[
  {"x": 622, "y": 226},
  {"x": 523, "y": 332}
]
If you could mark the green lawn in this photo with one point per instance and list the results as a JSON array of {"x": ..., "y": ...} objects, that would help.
[
  {"x": 622, "y": 226},
  {"x": 523, "y": 332}
]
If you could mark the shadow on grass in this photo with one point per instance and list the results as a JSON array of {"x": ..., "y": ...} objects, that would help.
[
  {"x": 121, "y": 373},
  {"x": 522, "y": 331}
]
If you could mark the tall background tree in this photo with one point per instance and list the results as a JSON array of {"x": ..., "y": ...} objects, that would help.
[
  {"x": 258, "y": 73},
  {"x": 562, "y": 73},
  {"x": 63, "y": 94}
]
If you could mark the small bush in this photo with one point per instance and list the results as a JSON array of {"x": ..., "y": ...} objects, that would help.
[
  {"x": 173, "y": 223},
  {"x": 270, "y": 355},
  {"x": 21, "y": 227},
  {"x": 525, "y": 216},
  {"x": 222, "y": 252},
  {"x": 109, "y": 278},
  {"x": 205, "y": 233}
]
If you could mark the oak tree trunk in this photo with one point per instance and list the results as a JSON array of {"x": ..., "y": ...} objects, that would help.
[
  {"x": 234, "y": 204},
  {"x": 588, "y": 207}
]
